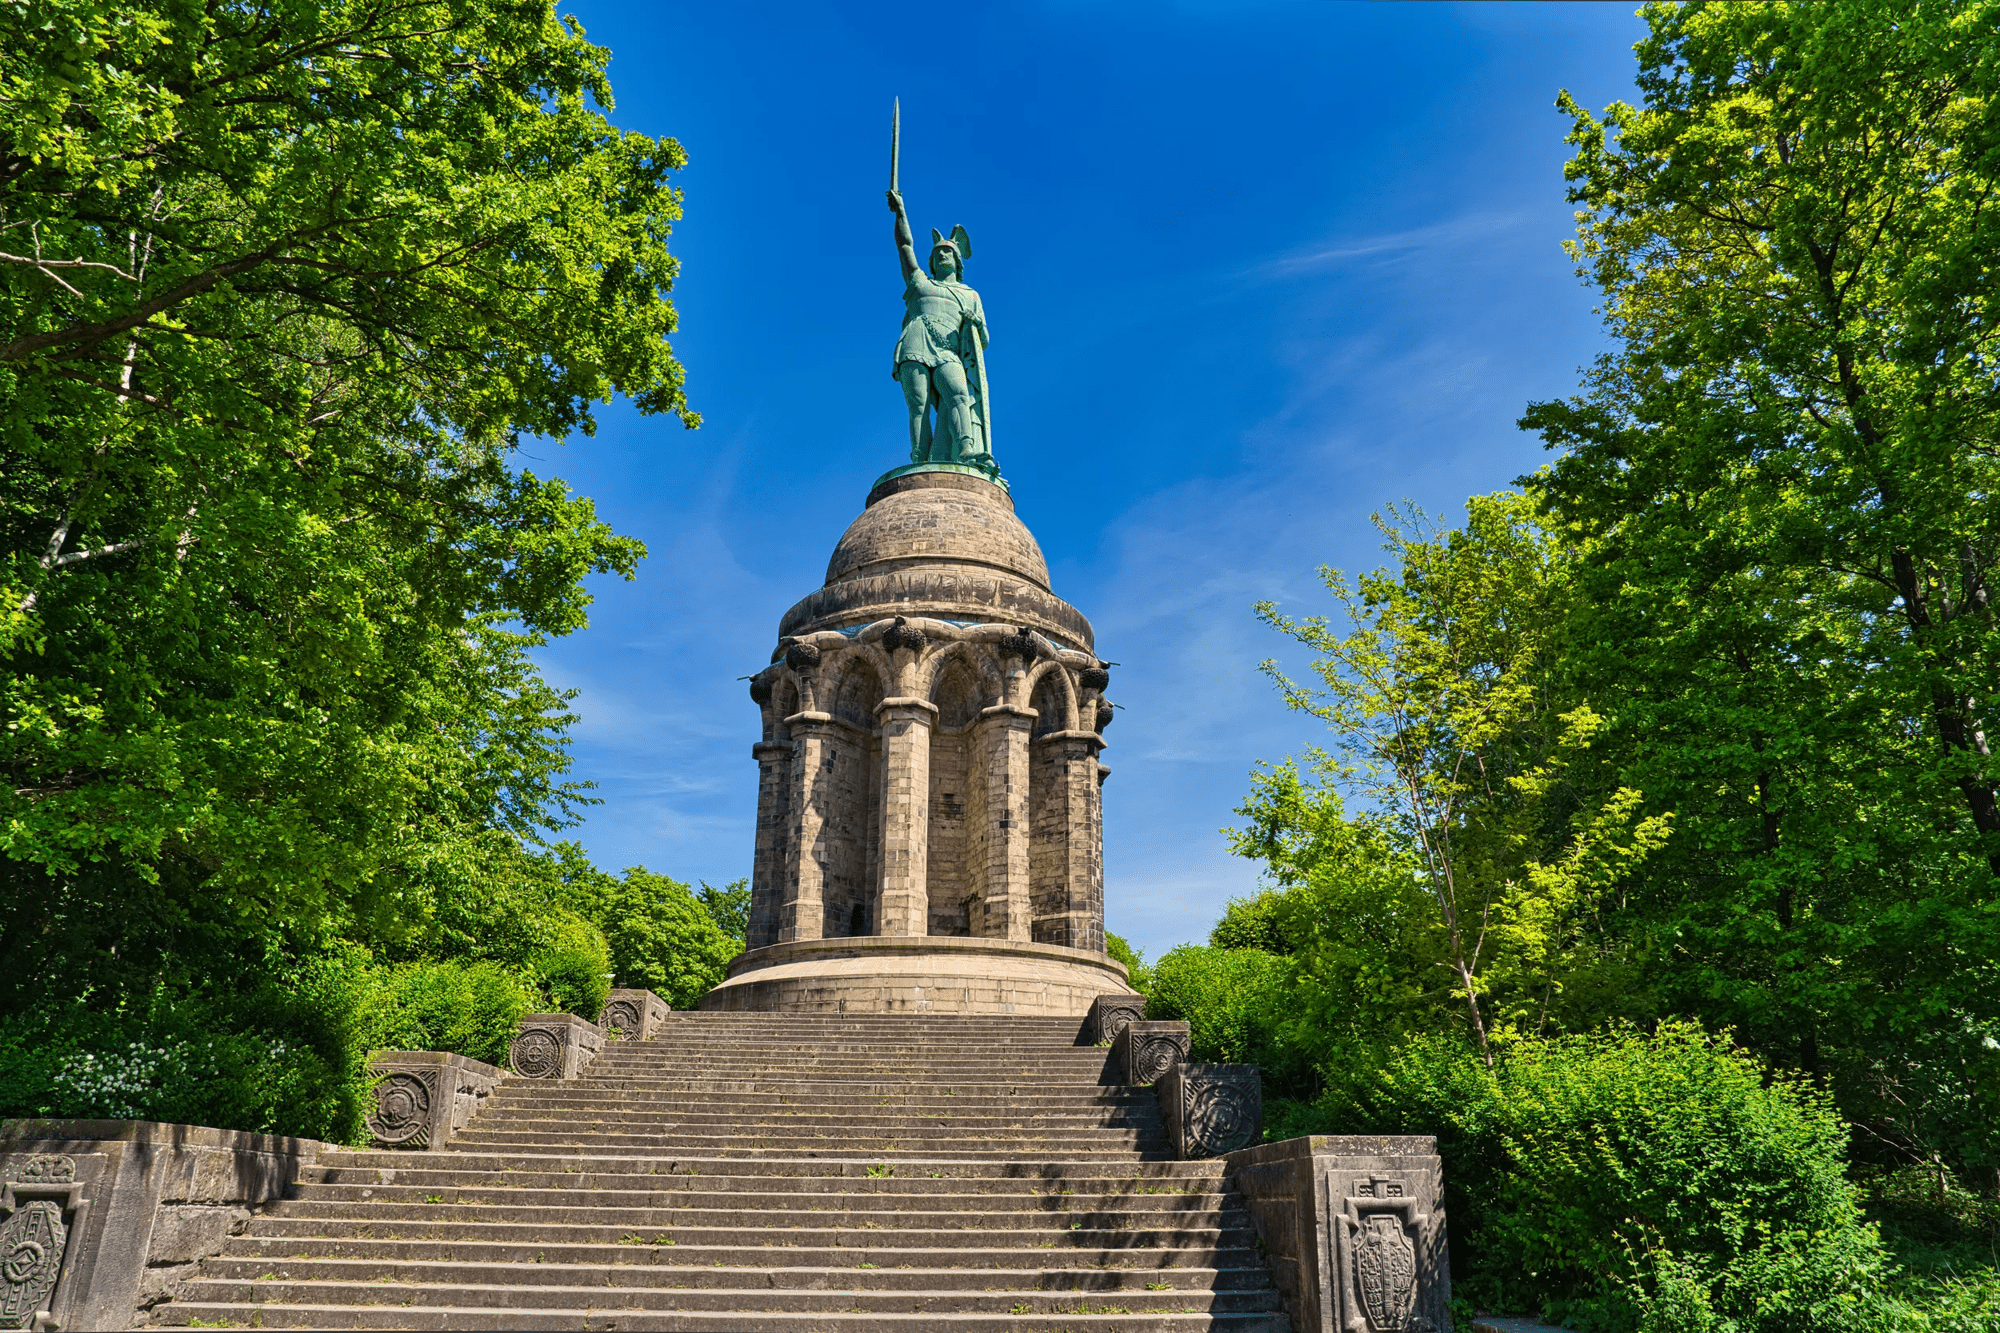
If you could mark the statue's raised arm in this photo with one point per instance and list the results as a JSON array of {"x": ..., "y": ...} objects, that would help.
[
  {"x": 906, "y": 244},
  {"x": 941, "y": 355}
]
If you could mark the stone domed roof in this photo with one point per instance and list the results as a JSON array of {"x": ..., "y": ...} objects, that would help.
[
  {"x": 929, "y": 518},
  {"x": 944, "y": 545}
]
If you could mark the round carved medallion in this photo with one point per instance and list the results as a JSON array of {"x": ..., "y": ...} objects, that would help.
[
  {"x": 537, "y": 1054},
  {"x": 1222, "y": 1117},
  {"x": 402, "y": 1112},
  {"x": 623, "y": 1015}
]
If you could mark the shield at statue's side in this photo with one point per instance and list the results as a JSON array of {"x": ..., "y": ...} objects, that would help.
[
  {"x": 31, "y": 1253},
  {"x": 1385, "y": 1273}
]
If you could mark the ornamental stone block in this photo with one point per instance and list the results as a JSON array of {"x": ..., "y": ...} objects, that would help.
[
  {"x": 1353, "y": 1229},
  {"x": 99, "y": 1219},
  {"x": 554, "y": 1046},
  {"x": 424, "y": 1097},
  {"x": 1111, "y": 1015},
  {"x": 1144, "y": 1052},
  {"x": 1211, "y": 1109},
  {"x": 632, "y": 1014}
]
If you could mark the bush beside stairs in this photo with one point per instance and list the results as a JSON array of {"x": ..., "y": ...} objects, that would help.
[{"x": 770, "y": 1172}]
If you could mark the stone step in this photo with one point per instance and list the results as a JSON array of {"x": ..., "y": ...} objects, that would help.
[
  {"x": 829, "y": 1150},
  {"x": 709, "y": 1113},
  {"x": 775, "y": 1174},
  {"x": 681, "y": 1216},
  {"x": 689, "y": 1259},
  {"x": 497, "y": 1290},
  {"x": 442, "y": 1225},
  {"x": 819, "y": 1130},
  {"x": 606, "y": 1315},
  {"x": 395, "y": 1268},
  {"x": 510, "y": 1192},
  {"x": 860, "y": 1165},
  {"x": 420, "y": 1180}
]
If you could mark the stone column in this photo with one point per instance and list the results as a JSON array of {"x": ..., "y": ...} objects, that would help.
[
  {"x": 774, "y": 773},
  {"x": 906, "y": 815},
  {"x": 800, "y": 913},
  {"x": 1003, "y": 740},
  {"x": 1083, "y": 873}
]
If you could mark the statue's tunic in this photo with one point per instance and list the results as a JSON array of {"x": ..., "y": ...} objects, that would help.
[{"x": 938, "y": 320}]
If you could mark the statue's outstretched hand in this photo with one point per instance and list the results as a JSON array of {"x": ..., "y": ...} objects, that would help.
[{"x": 895, "y": 202}]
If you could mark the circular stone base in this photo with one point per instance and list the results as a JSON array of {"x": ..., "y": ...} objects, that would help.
[{"x": 936, "y": 974}]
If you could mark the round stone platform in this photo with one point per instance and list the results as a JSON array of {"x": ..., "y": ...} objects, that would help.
[{"x": 923, "y": 974}]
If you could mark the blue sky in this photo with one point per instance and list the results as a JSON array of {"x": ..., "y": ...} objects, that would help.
[{"x": 1252, "y": 271}]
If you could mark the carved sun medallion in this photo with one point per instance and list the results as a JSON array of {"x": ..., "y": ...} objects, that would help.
[
  {"x": 402, "y": 1114},
  {"x": 537, "y": 1053},
  {"x": 623, "y": 1015}
]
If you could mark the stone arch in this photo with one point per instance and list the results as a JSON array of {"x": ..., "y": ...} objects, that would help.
[
  {"x": 941, "y": 659},
  {"x": 955, "y": 687},
  {"x": 856, "y": 686},
  {"x": 1053, "y": 697}
]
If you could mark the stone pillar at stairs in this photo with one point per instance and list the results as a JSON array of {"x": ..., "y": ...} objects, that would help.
[
  {"x": 774, "y": 778},
  {"x": 800, "y": 912},
  {"x": 906, "y": 817},
  {"x": 1003, "y": 736}
]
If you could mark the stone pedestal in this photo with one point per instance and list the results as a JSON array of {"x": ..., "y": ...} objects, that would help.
[
  {"x": 1353, "y": 1229},
  {"x": 939, "y": 974},
  {"x": 1111, "y": 1015},
  {"x": 632, "y": 1014},
  {"x": 1143, "y": 1052},
  {"x": 554, "y": 1046},
  {"x": 425, "y": 1096},
  {"x": 1211, "y": 1109}
]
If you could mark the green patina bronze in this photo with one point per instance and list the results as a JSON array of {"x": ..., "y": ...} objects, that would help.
[{"x": 941, "y": 357}]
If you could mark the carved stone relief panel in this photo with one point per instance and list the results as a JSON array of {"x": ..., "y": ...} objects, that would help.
[
  {"x": 1111, "y": 1015},
  {"x": 1146, "y": 1051},
  {"x": 39, "y": 1207}
]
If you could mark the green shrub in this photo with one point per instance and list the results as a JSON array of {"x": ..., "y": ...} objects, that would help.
[
  {"x": 1136, "y": 971},
  {"x": 662, "y": 938},
  {"x": 1621, "y": 1182},
  {"x": 185, "y": 1062},
  {"x": 1231, "y": 999},
  {"x": 472, "y": 1008}
]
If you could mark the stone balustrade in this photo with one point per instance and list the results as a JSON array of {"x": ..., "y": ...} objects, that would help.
[
  {"x": 1111, "y": 1015},
  {"x": 1144, "y": 1052},
  {"x": 1211, "y": 1109}
]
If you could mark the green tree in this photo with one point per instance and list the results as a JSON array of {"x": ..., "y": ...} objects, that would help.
[
  {"x": 1450, "y": 716},
  {"x": 663, "y": 938},
  {"x": 1787, "y": 472},
  {"x": 281, "y": 289}
]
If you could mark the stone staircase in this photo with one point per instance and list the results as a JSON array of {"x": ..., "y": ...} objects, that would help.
[{"x": 770, "y": 1172}]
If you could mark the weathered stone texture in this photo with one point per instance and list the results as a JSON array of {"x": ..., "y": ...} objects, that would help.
[
  {"x": 423, "y": 1096},
  {"x": 632, "y": 1013},
  {"x": 933, "y": 777},
  {"x": 99, "y": 1218},
  {"x": 1211, "y": 1109},
  {"x": 1144, "y": 1052},
  {"x": 1353, "y": 1229},
  {"x": 554, "y": 1046}
]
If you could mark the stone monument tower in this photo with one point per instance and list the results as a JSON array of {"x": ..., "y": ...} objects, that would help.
[{"x": 929, "y": 815}]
